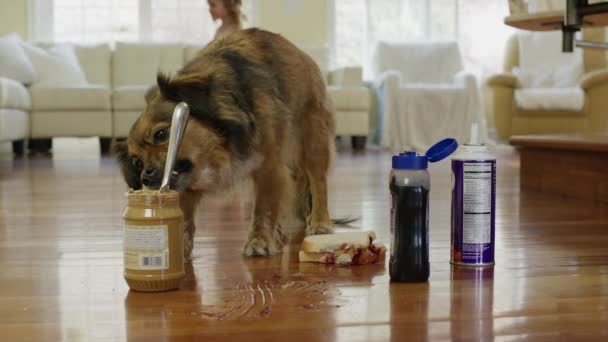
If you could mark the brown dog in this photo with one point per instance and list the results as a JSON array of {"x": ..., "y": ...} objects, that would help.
[{"x": 259, "y": 108}]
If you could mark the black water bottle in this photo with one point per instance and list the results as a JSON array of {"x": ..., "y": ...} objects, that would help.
[{"x": 409, "y": 186}]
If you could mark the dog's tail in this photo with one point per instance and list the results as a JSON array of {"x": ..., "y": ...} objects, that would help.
[
  {"x": 345, "y": 221},
  {"x": 342, "y": 221}
]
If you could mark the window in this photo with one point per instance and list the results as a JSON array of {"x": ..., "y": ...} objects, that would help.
[
  {"x": 94, "y": 21},
  {"x": 482, "y": 38},
  {"x": 91, "y": 21},
  {"x": 350, "y": 31},
  {"x": 476, "y": 24},
  {"x": 178, "y": 20}
]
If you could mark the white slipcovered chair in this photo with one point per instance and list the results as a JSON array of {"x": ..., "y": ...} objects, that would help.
[{"x": 424, "y": 94}]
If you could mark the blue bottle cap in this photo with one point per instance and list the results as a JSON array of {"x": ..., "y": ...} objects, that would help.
[
  {"x": 409, "y": 160},
  {"x": 412, "y": 161},
  {"x": 441, "y": 150}
]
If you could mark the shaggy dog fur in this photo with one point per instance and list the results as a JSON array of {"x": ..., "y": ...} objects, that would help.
[{"x": 259, "y": 108}]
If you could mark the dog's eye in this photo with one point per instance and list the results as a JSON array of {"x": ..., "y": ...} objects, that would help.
[
  {"x": 161, "y": 136},
  {"x": 138, "y": 164}
]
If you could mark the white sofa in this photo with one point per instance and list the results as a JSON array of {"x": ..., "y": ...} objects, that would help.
[
  {"x": 15, "y": 104},
  {"x": 118, "y": 79}
]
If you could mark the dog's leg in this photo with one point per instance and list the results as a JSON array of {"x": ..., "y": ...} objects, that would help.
[
  {"x": 273, "y": 186},
  {"x": 298, "y": 211},
  {"x": 317, "y": 157},
  {"x": 189, "y": 202},
  {"x": 303, "y": 196},
  {"x": 319, "y": 222}
]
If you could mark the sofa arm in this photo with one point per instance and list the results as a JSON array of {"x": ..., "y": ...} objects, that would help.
[
  {"x": 466, "y": 80},
  {"x": 595, "y": 85},
  {"x": 464, "y": 77},
  {"x": 14, "y": 95},
  {"x": 391, "y": 78},
  {"x": 502, "y": 105},
  {"x": 347, "y": 77},
  {"x": 502, "y": 80},
  {"x": 594, "y": 79}
]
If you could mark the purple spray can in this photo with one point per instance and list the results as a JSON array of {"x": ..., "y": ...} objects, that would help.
[{"x": 473, "y": 204}]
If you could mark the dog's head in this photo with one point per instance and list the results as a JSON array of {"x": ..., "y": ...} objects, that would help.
[{"x": 219, "y": 134}]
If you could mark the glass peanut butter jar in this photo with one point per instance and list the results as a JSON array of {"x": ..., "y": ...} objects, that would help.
[{"x": 153, "y": 244}]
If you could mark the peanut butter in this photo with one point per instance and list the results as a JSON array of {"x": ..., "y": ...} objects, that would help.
[{"x": 153, "y": 241}]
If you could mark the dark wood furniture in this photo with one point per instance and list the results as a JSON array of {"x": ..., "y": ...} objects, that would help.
[{"x": 571, "y": 165}]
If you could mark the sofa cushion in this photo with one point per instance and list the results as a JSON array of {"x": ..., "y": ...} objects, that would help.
[
  {"x": 567, "y": 76},
  {"x": 13, "y": 95},
  {"x": 349, "y": 98},
  {"x": 56, "y": 65},
  {"x": 129, "y": 97},
  {"x": 87, "y": 97},
  {"x": 138, "y": 63},
  {"x": 572, "y": 99},
  {"x": 95, "y": 61},
  {"x": 15, "y": 62},
  {"x": 544, "y": 50}
]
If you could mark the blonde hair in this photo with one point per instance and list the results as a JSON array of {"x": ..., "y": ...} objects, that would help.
[{"x": 234, "y": 10}]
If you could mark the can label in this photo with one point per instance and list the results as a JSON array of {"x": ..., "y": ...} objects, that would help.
[{"x": 473, "y": 207}]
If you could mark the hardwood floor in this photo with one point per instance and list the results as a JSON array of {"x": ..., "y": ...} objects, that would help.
[{"x": 61, "y": 263}]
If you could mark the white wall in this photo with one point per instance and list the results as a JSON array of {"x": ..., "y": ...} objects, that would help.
[
  {"x": 13, "y": 17},
  {"x": 304, "y": 22}
]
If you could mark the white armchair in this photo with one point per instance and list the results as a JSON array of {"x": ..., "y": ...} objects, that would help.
[{"x": 424, "y": 94}]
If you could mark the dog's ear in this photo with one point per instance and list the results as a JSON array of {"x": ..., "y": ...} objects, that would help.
[
  {"x": 189, "y": 89},
  {"x": 236, "y": 123},
  {"x": 130, "y": 171}
]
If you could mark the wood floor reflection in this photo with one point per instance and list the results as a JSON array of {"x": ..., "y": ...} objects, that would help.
[{"x": 61, "y": 262}]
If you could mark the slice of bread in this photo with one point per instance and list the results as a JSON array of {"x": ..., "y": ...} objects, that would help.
[
  {"x": 341, "y": 259},
  {"x": 330, "y": 242}
]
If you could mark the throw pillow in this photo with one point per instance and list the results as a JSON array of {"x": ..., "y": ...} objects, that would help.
[
  {"x": 57, "y": 65},
  {"x": 15, "y": 63}
]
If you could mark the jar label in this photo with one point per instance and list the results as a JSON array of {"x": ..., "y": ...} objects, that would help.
[{"x": 146, "y": 247}]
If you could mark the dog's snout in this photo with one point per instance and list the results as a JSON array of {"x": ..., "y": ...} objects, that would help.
[{"x": 151, "y": 176}]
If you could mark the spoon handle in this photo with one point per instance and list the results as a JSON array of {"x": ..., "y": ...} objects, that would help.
[{"x": 178, "y": 126}]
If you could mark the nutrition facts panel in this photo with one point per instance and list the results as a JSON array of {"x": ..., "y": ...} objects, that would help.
[{"x": 477, "y": 204}]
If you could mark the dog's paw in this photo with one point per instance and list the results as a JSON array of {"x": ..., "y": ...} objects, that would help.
[
  {"x": 261, "y": 246},
  {"x": 319, "y": 228}
]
